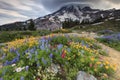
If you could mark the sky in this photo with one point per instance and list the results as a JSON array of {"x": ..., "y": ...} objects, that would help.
[{"x": 20, "y": 10}]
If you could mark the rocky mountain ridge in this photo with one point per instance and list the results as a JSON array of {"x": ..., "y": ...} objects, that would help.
[{"x": 72, "y": 11}]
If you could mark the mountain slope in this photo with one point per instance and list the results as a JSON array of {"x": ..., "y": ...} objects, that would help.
[{"x": 74, "y": 12}]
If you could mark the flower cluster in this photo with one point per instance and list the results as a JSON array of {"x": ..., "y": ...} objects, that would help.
[{"x": 53, "y": 57}]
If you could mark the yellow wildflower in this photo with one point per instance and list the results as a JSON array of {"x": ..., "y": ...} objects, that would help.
[
  {"x": 106, "y": 62},
  {"x": 95, "y": 70},
  {"x": 98, "y": 63},
  {"x": 69, "y": 58},
  {"x": 106, "y": 67},
  {"x": 92, "y": 58},
  {"x": 105, "y": 75}
]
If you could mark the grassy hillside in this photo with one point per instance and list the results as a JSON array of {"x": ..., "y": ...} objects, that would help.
[
  {"x": 107, "y": 25},
  {"x": 6, "y": 36}
]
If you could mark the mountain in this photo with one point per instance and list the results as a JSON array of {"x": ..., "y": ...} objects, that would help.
[{"x": 71, "y": 11}]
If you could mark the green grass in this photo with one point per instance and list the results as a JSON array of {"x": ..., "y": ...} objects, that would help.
[
  {"x": 107, "y": 25},
  {"x": 7, "y": 36},
  {"x": 112, "y": 44}
]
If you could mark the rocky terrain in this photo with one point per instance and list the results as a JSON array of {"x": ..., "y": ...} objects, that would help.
[{"x": 71, "y": 11}]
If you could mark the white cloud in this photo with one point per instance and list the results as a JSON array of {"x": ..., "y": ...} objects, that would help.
[
  {"x": 22, "y": 10},
  {"x": 17, "y": 4},
  {"x": 12, "y": 13},
  {"x": 9, "y": 20},
  {"x": 113, "y": 5}
]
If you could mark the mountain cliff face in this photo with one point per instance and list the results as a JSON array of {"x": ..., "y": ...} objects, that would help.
[{"x": 74, "y": 12}]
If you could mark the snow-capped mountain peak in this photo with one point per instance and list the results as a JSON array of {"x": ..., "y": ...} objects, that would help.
[{"x": 74, "y": 12}]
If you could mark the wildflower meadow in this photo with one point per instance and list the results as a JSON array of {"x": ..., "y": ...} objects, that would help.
[{"x": 53, "y": 57}]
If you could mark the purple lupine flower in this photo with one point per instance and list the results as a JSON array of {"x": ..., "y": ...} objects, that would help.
[
  {"x": 32, "y": 50},
  {"x": 30, "y": 56},
  {"x": 83, "y": 43},
  {"x": 49, "y": 38},
  {"x": 21, "y": 78},
  {"x": 38, "y": 64},
  {"x": 42, "y": 47},
  {"x": 7, "y": 63},
  {"x": 12, "y": 49},
  {"x": 15, "y": 60},
  {"x": 27, "y": 67},
  {"x": 60, "y": 46},
  {"x": 44, "y": 61},
  {"x": 18, "y": 54},
  {"x": 3, "y": 56},
  {"x": 36, "y": 53},
  {"x": 1, "y": 78},
  {"x": 51, "y": 55},
  {"x": 87, "y": 45},
  {"x": 26, "y": 51}
]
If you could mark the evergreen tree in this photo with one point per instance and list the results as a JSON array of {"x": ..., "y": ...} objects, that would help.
[
  {"x": 69, "y": 23},
  {"x": 31, "y": 25}
]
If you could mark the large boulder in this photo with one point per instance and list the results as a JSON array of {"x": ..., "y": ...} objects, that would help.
[{"x": 85, "y": 76}]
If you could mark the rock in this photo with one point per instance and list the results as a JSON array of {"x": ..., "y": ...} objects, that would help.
[
  {"x": 0, "y": 65},
  {"x": 85, "y": 76},
  {"x": 54, "y": 68}
]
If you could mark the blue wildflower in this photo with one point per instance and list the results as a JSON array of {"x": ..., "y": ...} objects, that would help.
[
  {"x": 42, "y": 47},
  {"x": 44, "y": 61},
  {"x": 15, "y": 60},
  {"x": 1, "y": 78},
  {"x": 7, "y": 63},
  {"x": 51, "y": 55},
  {"x": 38, "y": 64},
  {"x": 82, "y": 43},
  {"x": 3, "y": 56},
  {"x": 26, "y": 51},
  {"x": 60, "y": 46},
  {"x": 27, "y": 67},
  {"x": 21, "y": 78},
  {"x": 32, "y": 50},
  {"x": 18, "y": 54},
  {"x": 12, "y": 50}
]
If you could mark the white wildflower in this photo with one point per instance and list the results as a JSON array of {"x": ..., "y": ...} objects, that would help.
[
  {"x": 13, "y": 65},
  {"x": 19, "y": 69}
]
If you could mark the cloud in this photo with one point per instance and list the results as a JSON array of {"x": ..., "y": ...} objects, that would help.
[
  {"x": 16, "y": 4},
  {"x": 9, "y": 20},
  {"x": 114, "y": 1},
  {"x": 12, "y": 13},
  {"x": 101, "y": 4},
  {"x": 20, "y": 10}
]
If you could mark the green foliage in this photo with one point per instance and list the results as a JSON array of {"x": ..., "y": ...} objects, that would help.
[
  {"x": 6, "y": 36},
  {"x": 70, "y": 23},
  {"x": 62, "y": 31},
  {"x": 64, "y": 64},
  {"x": 112, "y": 44},
  {"x": 59, "y": 40},
  {"x": 31, "y": 25},
  {"x": 106, "y": 25}
]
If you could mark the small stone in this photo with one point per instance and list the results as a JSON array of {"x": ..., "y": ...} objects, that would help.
[{"x": 85, "y": 76}]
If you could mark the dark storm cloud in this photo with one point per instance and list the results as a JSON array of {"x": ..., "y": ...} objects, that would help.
[
  {"x": 102, "y": 4},
  {"x": 114, "y": 1},
  {"x": 53, "y": 4}
]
